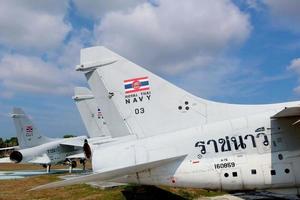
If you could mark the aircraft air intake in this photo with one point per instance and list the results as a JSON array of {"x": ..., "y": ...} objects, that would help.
[{"x": 16, "y": 156}]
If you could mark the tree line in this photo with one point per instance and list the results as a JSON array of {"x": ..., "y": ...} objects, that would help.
[{"x": 13, "y": 141}]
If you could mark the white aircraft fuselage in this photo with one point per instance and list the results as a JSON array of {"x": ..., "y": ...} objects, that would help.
[
  {"x": 246, "y": 153},
  {"x": 49, "y": 153}
]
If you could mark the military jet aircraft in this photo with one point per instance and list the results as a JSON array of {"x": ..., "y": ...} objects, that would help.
[
  {"x": 182, "y": 140},
  {"x": 36, "y": 148}
]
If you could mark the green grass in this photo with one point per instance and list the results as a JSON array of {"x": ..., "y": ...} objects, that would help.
[{"x": 18, "y": 189}]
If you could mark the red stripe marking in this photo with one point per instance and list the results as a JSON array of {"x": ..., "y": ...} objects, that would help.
[
  {"x": 131, "y": 91},
  {"x": 194, "y": 162},
  {"x": 135, "y": 79}
]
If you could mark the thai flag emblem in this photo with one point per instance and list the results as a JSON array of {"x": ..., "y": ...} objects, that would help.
[
  {"x": 136, "y": 85},
  {"x": 29, "y": 130}
]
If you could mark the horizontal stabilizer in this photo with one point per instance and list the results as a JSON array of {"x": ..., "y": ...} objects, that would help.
[
  {"x": 9, "y": 148},
  {"x": 75, "y": 141},
  {"x": 288, "y": 112},
  {"x": 109, "y": 174},
  {"x": 92, "y": 66}
]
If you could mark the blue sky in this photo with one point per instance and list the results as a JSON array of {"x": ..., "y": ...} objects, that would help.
[{"x": 239, "y": 51}]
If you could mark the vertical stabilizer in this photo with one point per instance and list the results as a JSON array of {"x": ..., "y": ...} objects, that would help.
[
  {"x": 148, "y": 104},
  {"x": 90, "y": 112},
  {"x": 27, "y": 133}
]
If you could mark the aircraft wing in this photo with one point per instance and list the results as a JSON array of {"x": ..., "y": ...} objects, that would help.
[
  {"x": 5, "y": 160},
  {"x": 75, "y": 141},
  {"x": 104, "y": 139},
  {"x": 76, "y": 156},
  {"x": 288, "y": 112},
  {"x": 9, "y": 148},
  {"x": 44, "y": 159},
  {"x": 79, "y": 141},
  {"x": 109, "y": 174}
]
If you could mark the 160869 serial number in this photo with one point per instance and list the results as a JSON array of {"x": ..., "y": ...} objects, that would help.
[{"x": 224, "y": 165}]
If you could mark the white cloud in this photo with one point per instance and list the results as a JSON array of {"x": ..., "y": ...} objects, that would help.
[
  {"x": 33, "y": 25},
  {"x": 212, "y": 81},
  {"x": 54, "y": 75},
  {"x": 31, "y": 74},
  {"x": 253, "y": 4},
  {"x": 285, "y": 13},
  {"x": 295, "y": 66},
  {"x": 224, "y": 79},
  {"x": 174, "y": 37},
  {"x": 99, "y": 8},
  {"x": 69, "y": 54},
  {"x": 6, "y": 94}
]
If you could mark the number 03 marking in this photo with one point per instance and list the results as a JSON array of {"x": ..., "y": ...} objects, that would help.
[{"x": 138, "y": 111}]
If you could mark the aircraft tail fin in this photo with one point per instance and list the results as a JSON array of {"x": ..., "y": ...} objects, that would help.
[
  {"x": 90, "y": 112},
  {"x": 27, "y": 133},
  {"x": 147, "y": 104}
]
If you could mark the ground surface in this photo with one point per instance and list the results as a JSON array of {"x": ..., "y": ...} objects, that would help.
[{"x": 18, "y": 189}]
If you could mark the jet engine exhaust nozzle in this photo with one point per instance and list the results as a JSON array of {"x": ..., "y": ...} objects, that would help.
[{"x": 16, "y": 156}]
